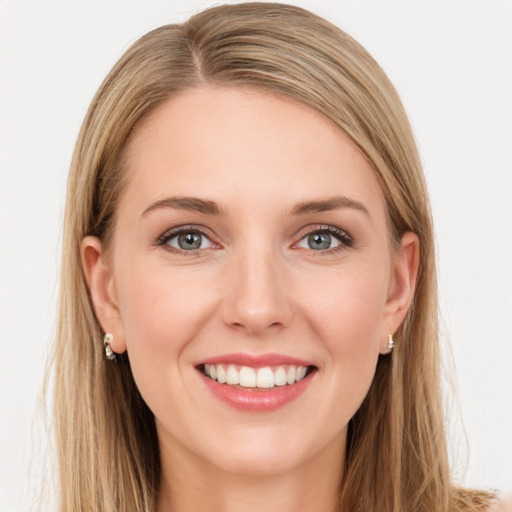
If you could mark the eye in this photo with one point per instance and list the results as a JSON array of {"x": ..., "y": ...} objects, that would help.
[
  {"x": 321, "y": 241},
  {"x": 186, "y": 240},
  {"x": 325, "y": 239}
]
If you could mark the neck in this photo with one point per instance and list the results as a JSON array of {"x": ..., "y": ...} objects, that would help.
[{"x": 191, "y": 484}]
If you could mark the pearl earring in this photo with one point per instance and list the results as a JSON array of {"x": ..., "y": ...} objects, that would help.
[
  {"x": 390, "y": 345},
  {"x": 109, "y": 353}
]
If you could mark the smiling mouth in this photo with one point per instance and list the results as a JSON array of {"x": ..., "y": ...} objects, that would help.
[{"x": 256, "y": 379}]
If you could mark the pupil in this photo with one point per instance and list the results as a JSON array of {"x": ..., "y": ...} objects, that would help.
[
  {"x": 319, "y": 241},
  {"x": 190, "y": 241}
]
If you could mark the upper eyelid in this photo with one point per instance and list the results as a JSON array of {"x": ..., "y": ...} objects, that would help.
[
  {"x": 307, "y": 230},
  {"x": 177, "y": 230}
]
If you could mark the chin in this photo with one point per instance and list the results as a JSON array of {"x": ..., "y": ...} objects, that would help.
[
  {"x": 263, "y": 462},
  {"x": 263, "y": 451}
]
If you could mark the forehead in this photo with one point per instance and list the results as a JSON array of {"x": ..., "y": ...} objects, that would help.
[{"x": 228, "y": 143}]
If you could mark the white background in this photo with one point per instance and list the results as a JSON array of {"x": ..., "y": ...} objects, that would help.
[{"x": 450, "y": 61}]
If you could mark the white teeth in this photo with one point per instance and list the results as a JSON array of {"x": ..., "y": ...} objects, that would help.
[
  {"x": 210, "y": 370},
  {"x": 280, "y": 377},
  {"x": 247, "y": 377},
  {"x": 221, "y": 374},
  {"x": 301, "y": 373},
  {"x": 263, "y": 378},
  {"x": 232, "y": 376}
]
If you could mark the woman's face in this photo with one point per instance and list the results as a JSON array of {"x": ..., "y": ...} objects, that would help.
[{"x": 251, "y": 238}]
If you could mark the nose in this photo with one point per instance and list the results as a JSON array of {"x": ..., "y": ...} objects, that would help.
[{"x": 257, "y": 299}]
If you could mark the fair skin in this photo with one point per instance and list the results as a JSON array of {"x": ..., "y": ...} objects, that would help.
[{"x": 292, "y": 260}]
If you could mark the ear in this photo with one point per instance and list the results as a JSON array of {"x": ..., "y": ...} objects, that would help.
[
  {"x": 402, "y": 285},
  {"x": 100, "y": 281}
]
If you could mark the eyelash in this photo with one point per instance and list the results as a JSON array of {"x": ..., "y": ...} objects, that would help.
[
  {"x": 342, "y": 236},
  {"x": 174, "y": 232}
]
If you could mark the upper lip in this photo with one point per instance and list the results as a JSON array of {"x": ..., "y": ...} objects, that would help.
[{"x": 255, "y": 361}]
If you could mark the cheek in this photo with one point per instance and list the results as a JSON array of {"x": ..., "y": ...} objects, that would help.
[
  {"x": 347, "y": 318},
  {"x": 161, "y": 312},
  {"x": 158, "y": 301},
  {"x": 347, "y": 311}
]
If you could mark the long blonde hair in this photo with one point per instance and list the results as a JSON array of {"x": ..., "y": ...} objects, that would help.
[{"x": 106, "y": 437}]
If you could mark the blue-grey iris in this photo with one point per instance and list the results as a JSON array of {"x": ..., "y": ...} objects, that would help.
[
  {"x": 319, "y": 241},
  {"x": 189, "y": 241}
]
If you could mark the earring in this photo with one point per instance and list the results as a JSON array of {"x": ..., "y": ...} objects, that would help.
[
  {"x": 390, "y": 345},
  {"x": 109, "y": 353}
]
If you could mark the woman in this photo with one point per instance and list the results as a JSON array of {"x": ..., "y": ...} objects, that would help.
[{"x": 248, "y": 305}]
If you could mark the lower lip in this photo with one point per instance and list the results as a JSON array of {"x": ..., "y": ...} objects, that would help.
[{"x": 258, "y": 400}]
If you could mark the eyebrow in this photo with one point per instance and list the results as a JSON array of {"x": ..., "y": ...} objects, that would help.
[
  {"x": 331, "y": 203},
  {"x": 207, "y": 207},
  {"x": 193, "y": 204}
]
